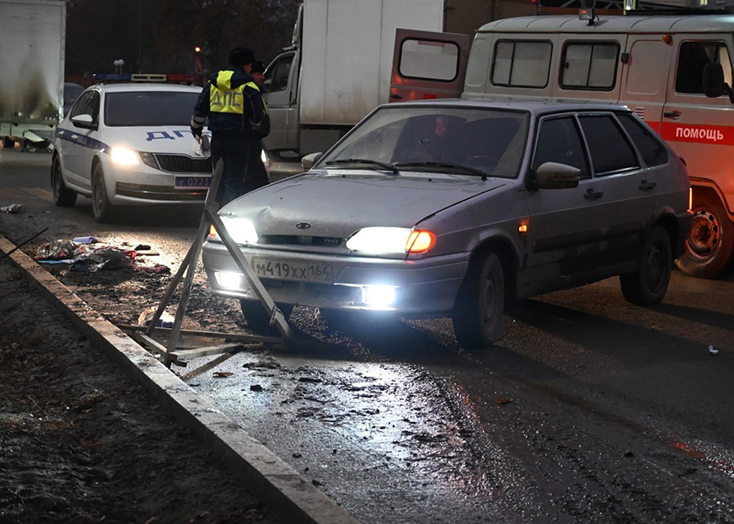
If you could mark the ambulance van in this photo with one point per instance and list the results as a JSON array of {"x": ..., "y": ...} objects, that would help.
[{"x": 674, "y": 71}]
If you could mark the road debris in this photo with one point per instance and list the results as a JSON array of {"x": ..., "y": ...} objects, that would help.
[
  {"x": 80, "y": 257},
  {"x": 713, "y": 350},
  {"x": 12, "y": 208},
  {"x": 146, "y": 317}
]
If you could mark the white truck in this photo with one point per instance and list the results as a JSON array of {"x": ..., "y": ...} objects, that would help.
[
  {"x": 32, "y": 48},
  {"x": 338, "y": 68}
]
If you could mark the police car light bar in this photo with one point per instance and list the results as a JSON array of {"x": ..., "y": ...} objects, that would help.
[
  {"x": 107, "y": 77},
  {"x": 151, "y": 77}
]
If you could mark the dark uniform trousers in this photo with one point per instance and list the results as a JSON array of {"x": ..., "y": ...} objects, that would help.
[
  {"x": 257, "y": 175},
  {"x": 235, "y": 150}
]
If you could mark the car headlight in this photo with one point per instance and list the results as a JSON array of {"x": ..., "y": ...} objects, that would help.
[
  {"x": 391, "y": 240},
  {"x": 124, "y": 156},
  {"x": 242, "y": 231}
]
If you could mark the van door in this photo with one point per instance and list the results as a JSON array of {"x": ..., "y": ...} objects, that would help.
[
  {"x": 645, "y": 77},
  {"x": 280, "y": 93},
  {"x": 428, "y": 65}
]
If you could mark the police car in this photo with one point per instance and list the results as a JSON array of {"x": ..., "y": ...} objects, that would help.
[{"x": 130, "y": 144}]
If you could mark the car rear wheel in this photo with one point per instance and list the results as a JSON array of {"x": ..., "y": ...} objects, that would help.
[
  {"x": 710, "y": 246},
  {"x": 650, "y": 283},
  {"x": 258, "y": 320},
  {"x": 101, "y": 205},
  {"x": 63, "y": 196},
  {"x": 480, "y": 305}
]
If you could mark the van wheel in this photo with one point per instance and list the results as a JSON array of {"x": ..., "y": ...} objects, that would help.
[
  {"x": 650, "y": 283},
  {"x": 258, "y": 320},
  {"x": 63, "y": 196},
  {"x": 480, "y": 305},
  {"x": 101, "y": 205},
  {"x": 710, "y": 245}
]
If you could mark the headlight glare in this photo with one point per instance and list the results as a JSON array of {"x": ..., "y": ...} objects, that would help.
[
  {"x": 124, "y": 156},
  {"x": 242, "y": 231},
  {"x": 379, "y": 240}
]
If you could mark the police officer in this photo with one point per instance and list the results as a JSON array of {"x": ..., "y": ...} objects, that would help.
[
  {"x": 257, "y": 175},
  {"x": 233, "y": 104}
]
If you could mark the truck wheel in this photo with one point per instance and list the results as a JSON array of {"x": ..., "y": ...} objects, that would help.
[
  {"x": 650, "y": 283},
  {"x": 63, "y": 196},
  {"x": 101, "y": 205},
  {"x": 710, "y": 245},
  {"x": 258, "y": 320},
  {"x": 480, "y": 305}
]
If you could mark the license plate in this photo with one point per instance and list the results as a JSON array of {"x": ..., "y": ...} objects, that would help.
[
  {"x": 294, "y": 271},
  {"x": 186, "y": 182}
]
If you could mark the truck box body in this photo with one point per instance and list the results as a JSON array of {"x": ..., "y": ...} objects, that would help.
[
  {"x": 347, "y": 54},
  {"x": 32, "y": 44}
]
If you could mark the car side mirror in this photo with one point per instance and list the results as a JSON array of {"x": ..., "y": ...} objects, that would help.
[
  {"x": 85, "y": 121},
  {"x": 552, "y": 175},
  {"x": 308, "y": 161}
]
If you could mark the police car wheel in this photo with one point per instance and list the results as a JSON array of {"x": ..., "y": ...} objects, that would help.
[
  {"x": 709, "y": 249},
  {"x": 101, "y": 205},
  {"x": 63, "y": 196}
]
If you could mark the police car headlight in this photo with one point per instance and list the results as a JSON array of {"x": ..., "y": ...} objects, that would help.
[{"x": 124, "y": 156}]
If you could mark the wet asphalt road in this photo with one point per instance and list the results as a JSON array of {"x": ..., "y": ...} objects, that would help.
[{"x": 589, "y": 409}]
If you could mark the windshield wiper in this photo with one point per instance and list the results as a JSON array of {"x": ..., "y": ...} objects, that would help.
[
  {"x": 383, "y": 165},
  {"x": 465, "y": 169}
]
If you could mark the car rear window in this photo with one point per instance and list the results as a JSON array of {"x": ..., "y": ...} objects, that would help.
[
  {"x": 149, "y": 108},
  {"x": 610, "y": 151},
  {"x": 651, "y": 148}
]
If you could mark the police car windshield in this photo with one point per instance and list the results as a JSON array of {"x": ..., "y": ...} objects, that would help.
[{"x": 149, "y": 108}]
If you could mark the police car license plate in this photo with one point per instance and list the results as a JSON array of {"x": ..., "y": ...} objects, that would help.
[
  {"x": 293, "y": 271},
  {"x": 188, "y": 182}
]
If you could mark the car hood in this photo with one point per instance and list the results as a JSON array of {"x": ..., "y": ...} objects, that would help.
[
  {"x": 337, "y": 204},
  {"x": 164, "y": 139}
]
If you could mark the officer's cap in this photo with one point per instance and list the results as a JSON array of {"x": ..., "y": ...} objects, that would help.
[
  {"x": 240, "y": 56},
  {"x": 258, "y": 66}
]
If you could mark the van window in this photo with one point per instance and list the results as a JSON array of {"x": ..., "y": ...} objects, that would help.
[
  {"x": 559, "y": 141},
  {"x": 430, "y": 60},
  {"x": 650, "y": 147},
  {"x": 521, "y": 63},
  {"x": 692, "y": 58},
  {"x": 589, "y": 65},
  {"x": 276, "y": 77},
  {"x": 610, "y": 151}
]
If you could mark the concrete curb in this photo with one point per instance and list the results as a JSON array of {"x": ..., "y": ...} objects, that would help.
[{"x": 286, "y": 493}]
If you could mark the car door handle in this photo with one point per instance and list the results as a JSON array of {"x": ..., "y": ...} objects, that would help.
[
  {"x": 74, "y": 137},
  {"x": 396, "y": 97},
  {"x": 647, "y": 186},
  {"x": 672, "y": 114},
  {"x": 592, "y": 195}
]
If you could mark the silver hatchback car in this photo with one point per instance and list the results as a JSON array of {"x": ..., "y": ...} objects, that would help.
[{"x": 460, "y": 208}]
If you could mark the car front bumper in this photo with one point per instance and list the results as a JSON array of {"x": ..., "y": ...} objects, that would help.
[{"x": 424, "y": 287}]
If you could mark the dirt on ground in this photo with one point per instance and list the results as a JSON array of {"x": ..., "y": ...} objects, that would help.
[{"x": 81, "y": 442}]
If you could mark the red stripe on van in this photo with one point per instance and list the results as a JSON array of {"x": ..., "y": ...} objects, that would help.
[{"x": 702, "y": 134}]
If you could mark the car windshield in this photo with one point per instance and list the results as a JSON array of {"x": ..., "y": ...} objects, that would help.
[
  {"x": 149, "y": 108},
  {"x": 458, "y": 140}
]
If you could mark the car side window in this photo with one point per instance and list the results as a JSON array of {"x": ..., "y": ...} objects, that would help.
[
  {"x": 650, "y": 147},
  {"x": 692, "y": 58},
  {"x": 559, "y": 142},
  {"x": 609, "y": 149},
  {"x": 93, "y": 107},
  {"x": 81, "y": 105},
  {"x": 276, "y": 77}
]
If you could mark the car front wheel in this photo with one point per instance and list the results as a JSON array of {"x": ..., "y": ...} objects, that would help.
[
  {"x": 710, "y": 246},
  {"x": 480, "y": 305},
  {"x": 650, "y": 283},
  {"x": 101, "y": 205},
  {"x": 63, "y": 196}
]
